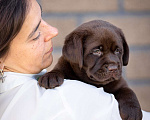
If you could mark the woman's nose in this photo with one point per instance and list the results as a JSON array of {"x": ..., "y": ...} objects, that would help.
[{"x": 49, "y": 31}]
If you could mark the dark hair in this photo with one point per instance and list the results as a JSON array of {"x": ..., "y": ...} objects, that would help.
[{"x": 12, "y": 17}]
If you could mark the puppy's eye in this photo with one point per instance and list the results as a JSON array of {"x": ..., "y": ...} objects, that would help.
[
  {"x": 97, "y": 52},
  {"x": 117, "y": 51}
]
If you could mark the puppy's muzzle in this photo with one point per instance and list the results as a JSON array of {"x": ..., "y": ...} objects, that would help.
[
  {"x": 111, "y": 67},
  {"x": 107, "y": 73}
]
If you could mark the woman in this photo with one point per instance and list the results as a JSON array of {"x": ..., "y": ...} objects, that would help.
[{"x": 25, "y": 51}]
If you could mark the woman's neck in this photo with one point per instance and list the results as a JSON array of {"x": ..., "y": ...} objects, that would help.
[{"x": 8, "y": 69}]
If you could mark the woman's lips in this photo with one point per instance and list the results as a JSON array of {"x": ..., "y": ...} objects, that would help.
[{"x": 51, "y": 50}]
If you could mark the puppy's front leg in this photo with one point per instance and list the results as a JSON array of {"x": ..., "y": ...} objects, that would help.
[
  {"x": 51, "y": 79},
  {"x": 55, "y": 77},
  {"x": 128, "y": 103}
]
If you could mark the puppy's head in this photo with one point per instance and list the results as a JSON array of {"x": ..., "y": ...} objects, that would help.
[{"x": 99, "y": 48}]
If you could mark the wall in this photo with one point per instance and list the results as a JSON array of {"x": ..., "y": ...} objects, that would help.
[{"x": 132, "y": 16}]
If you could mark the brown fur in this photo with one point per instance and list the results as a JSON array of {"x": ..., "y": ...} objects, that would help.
[{"x": 95, "y": 53}]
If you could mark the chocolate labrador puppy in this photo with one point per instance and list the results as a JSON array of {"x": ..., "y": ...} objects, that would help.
[{"x": 95, "y": 53}]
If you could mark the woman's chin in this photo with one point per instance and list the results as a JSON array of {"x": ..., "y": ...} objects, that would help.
[{"x": 48, "y": 62}]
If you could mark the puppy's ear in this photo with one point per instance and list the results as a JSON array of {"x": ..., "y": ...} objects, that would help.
[
  {"x": 126, "y": 50},
  {"x": 73, "y": 46}
]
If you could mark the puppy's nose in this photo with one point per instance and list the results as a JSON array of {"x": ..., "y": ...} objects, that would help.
[{"x": 112, "y": 68}]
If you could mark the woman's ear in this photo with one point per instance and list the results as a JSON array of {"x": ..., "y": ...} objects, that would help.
[
  {"x": 125, "y": 57},
  {"x": 73, "y": 46}
]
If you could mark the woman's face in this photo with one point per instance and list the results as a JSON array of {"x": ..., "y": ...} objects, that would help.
[{"x": 31, "y": 50}]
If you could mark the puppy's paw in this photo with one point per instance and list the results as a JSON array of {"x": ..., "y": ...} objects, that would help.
[
  {"x": 130, "y": 111},
  {"x": 51, "y": 79}
]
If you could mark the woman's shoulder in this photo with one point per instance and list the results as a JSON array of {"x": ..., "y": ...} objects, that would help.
[
  {"x": 76, "y": 92},
  {"x": 75, "y": 86},
  {"x": 87, "y": 101}
]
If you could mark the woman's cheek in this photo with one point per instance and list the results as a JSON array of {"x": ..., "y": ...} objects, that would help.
[{"x": 37, "y": 44}]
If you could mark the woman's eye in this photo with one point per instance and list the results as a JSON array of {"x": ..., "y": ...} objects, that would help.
[
  {"x": 97, "y": 52},
  {"x": 37, "y": 36}
]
